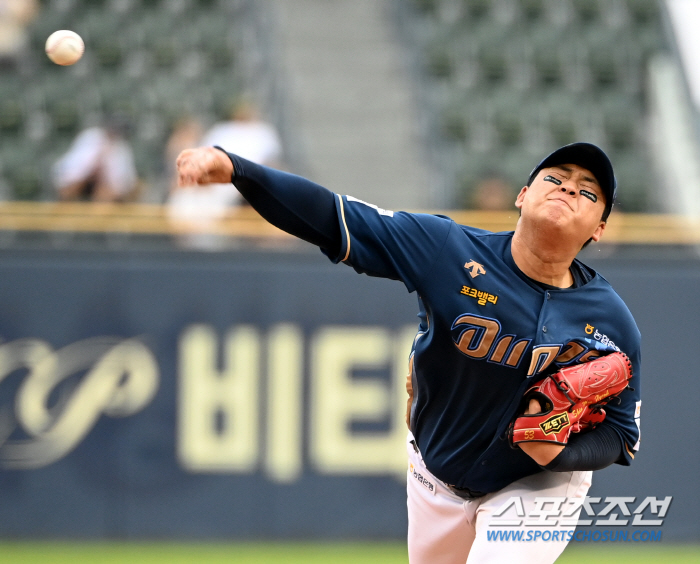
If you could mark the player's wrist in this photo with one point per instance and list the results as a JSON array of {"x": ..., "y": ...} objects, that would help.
[{"x": 228, "y": 165}]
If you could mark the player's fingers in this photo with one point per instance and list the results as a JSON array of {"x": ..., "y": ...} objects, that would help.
[
  {"x": 204, "y": 166},
  {"x": 191, "y": 167},
  {"x": 533, "y": 407},
  {"x": 182, "y": 165}
]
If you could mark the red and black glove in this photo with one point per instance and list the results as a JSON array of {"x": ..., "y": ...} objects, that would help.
[{"x": 571, "y": 400}]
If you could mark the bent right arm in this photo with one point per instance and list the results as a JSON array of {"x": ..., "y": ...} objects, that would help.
[{"x": 291, "y": 203}]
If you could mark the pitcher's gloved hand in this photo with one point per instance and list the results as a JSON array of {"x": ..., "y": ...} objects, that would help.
[{"x": 571, "y": 400}]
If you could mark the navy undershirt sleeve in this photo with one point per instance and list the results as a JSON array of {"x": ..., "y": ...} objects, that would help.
[
  {"x": 291, "y": 203},
  {"x": 593, "y": 450}
]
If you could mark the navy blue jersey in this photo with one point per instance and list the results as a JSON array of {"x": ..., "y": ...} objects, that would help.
[{"x": 486, "y": 333}]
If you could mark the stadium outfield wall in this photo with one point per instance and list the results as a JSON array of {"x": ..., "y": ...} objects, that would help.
[{"x": 253, "y": 395}]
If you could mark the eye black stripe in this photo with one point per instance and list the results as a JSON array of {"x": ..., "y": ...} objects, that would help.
[
  {"x": 590, "y": 195},
  {"x": 550, "y": 178}
]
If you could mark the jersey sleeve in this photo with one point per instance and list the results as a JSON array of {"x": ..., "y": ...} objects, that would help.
[
  {"x": 396, "y": 245},
  {"x": 624, "y": 415},
  {"x": 592, "y": 450}
]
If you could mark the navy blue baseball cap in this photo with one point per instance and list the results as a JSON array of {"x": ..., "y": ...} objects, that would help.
[{"x": 590, "y": 157}]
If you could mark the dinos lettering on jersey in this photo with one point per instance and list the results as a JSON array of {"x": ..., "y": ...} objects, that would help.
[
  {"x": 573, "y": 352},
  {"x": 481, "y": 338}
]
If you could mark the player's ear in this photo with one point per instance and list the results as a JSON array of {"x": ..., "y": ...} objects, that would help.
[
  {"x": 598, "y": 233},
  {"x": 521, "y": 196}
]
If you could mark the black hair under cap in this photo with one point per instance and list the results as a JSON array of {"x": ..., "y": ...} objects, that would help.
[{"x": 590, "y": 157}]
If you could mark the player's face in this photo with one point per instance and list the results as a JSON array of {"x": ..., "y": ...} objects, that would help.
[{"x": 567, "y": 197}]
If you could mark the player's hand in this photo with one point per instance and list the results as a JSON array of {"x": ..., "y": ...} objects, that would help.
[
  {"x": 204, "y": 165},
  {"x": 533, "y": 407},
  {"x": 542, "y": 453}
]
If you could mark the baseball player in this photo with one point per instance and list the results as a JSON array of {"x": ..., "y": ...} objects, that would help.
[{"x": 498, "y": 312}]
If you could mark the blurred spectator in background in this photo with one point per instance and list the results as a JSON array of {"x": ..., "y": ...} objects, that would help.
[
  {"x": 99, "y": 166},
  {"x": 196, "y": 208},
  {"x": 256, "y": 140},
  {"x": 186, "y": 134},
  {"x": 15, "y": 16},
  {"x": 493, "y": 193}
]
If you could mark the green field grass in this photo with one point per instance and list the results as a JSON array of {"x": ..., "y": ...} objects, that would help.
[
  {"x": 205, "y": 553},
  {"x": 298, "y": 553},
  {"x": 640, "y": 553}
]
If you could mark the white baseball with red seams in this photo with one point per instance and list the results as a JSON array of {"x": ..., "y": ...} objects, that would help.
[{"x": 65, "y": 47}]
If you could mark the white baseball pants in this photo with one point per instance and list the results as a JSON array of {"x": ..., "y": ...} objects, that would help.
[{"x": 443, "y": 528}]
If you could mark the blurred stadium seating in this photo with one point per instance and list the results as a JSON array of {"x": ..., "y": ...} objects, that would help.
[
  {"x": 152, "y": 61},
  {"x": 502, "y": 81},
  {"x": 509, "y": 80}
]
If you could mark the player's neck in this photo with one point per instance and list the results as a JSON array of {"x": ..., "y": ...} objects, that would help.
[{"x": 542, "y": 261}]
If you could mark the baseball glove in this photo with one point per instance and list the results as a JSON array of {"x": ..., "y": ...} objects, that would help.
[{"x": 571, "y": 400}]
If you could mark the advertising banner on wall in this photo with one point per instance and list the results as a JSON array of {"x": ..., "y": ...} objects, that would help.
[
  {"x": 201, "y": 397},
  {"x": 252, "y": 395}
]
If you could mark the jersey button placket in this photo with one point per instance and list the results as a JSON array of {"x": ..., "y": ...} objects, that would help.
[{"x": 543, "y": 319}]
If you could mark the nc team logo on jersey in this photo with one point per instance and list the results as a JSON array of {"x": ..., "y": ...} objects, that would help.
[
  {"x": 555, "y": 423},
  {"x": 600, "y": 337},
  {"x": 474, "y": 268}
]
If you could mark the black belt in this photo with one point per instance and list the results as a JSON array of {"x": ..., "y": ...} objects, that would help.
[{"x": 465, "y": 493}]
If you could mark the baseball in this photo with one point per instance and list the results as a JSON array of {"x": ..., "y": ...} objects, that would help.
[{"x": 64, "y": 47}]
